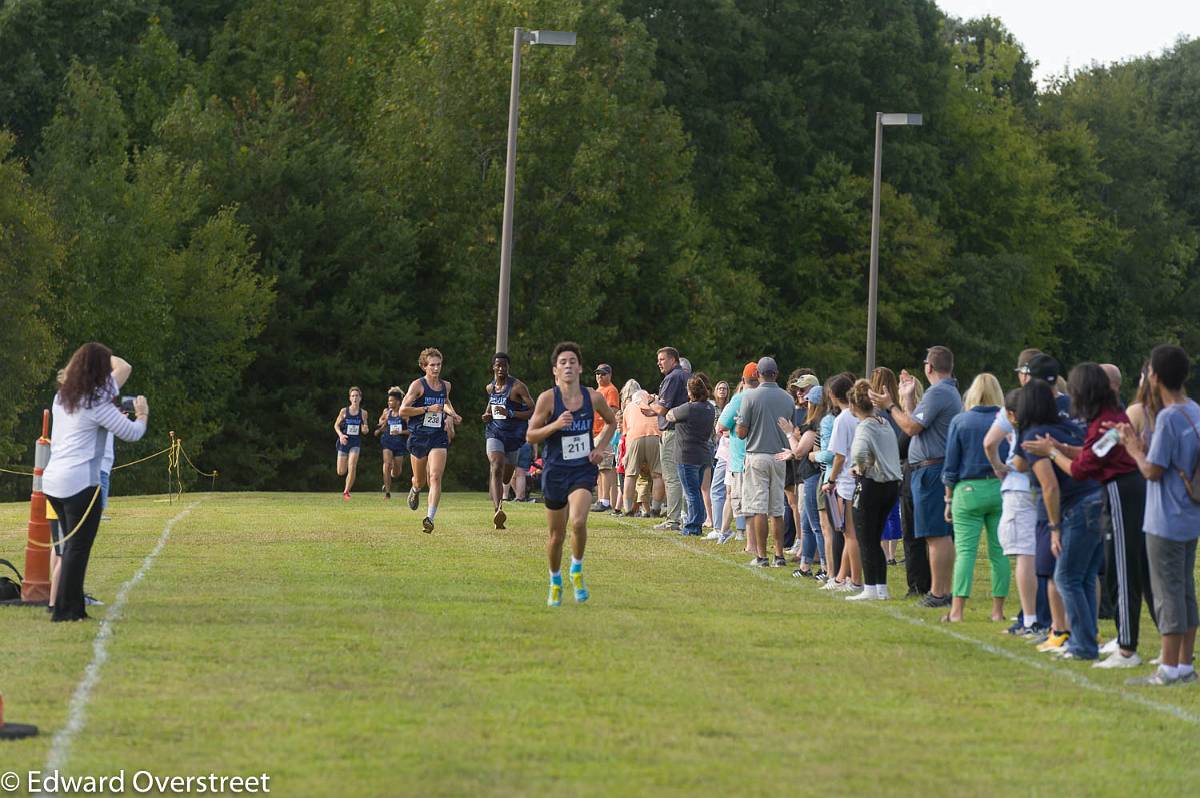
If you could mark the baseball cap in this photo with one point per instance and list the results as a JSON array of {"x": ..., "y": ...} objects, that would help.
[
  {"x": 1041, "y": 367},
  {"x": 814, "y": 395},
  {"x": 805, "y": 381},
  {"x": 750, "y": 372},
  {"x": 767, "y": 365},
  {"x": 604, "y": 368},
  {"x": 1024, "y": 358}
]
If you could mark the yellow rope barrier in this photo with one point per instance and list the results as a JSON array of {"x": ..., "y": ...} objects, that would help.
[
  {"x": 144, "y": 459},
  {"x": 183, "y": 451},
  {"x": 176, "y": 456}
]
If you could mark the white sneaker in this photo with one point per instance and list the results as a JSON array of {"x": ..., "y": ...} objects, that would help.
[
  {"x": 1111, "y": 647},
  {"x": 739, "y": 536},
  {"x": 1119, "y": 660},
  {"x": 867, "y": 594},
  {"x": 830, "y": 584},
  {"x": 881, "y": 593},
  {"x": 713, "y": 536},
  {"x": 848, "y": 587}
]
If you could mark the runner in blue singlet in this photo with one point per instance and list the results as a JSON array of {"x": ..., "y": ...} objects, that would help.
[
  {"x": 563, "y": 423},
  {"x": 392, "y": 432},
  {"x": 507, "y": 415},
  {"x": 349, "y": 428},
  {"x": 431, "y": 420}
]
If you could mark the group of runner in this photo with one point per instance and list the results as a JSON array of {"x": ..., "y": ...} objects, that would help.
[{"x": 421, "y": 423}]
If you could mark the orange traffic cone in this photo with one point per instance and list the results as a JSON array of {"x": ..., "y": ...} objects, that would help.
[
  {"x": 36, "y": 587},
  {"x": 14, "y": 731}
]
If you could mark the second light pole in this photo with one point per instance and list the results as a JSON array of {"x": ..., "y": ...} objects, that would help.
[
  {"x": 881, "y": 120},
  {"x": 520, "y": 36}
]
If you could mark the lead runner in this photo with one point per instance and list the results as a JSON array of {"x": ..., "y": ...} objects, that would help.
[
  {"x": 563, "y": 423},
  {"x": 428, "y": 409}
]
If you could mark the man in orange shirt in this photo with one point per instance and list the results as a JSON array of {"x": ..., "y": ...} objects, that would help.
[{"x": 606, "y": 486}]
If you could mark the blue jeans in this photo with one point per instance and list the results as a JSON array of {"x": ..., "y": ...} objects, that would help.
[
  {"x": 690, "y": 476},
  {"x": 718, "y": 493},
  {"x": 1077, "y": 569},
  {"x": 810, "y": 523},
  {"x": 105, "y": 477}
]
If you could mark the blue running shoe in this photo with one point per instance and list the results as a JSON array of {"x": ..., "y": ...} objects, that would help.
[{"x": 581, "y": 592}]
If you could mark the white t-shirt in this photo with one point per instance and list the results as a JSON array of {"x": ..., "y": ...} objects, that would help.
[
  {"x": 1014, "y": 480},
  {"x": 840, "y": 442},
  {"x": 109, "y": 456},
  {"x": 77, "y": 444},
  {"x": 723, "y": 449}
]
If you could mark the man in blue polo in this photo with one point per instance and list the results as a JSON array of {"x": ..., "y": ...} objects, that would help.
[
  {"x": 929, "y": 425},
  {"x": 672, "y": 393}
]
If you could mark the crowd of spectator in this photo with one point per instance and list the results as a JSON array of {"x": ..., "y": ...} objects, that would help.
[{"x": 1092, "y": 506}]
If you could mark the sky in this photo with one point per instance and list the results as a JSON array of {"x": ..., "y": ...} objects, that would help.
[{"x": 1077, "y": 32}]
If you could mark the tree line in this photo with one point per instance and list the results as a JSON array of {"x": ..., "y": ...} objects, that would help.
[{"x": 261, "y": 203}]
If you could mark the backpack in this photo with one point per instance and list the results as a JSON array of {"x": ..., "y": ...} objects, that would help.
[
  {"x": 1191, "y": 483},
  {"x": 10, "y": 590}
]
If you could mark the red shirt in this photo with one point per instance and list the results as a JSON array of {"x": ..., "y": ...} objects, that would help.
[{"x": 1104, "y": 469}]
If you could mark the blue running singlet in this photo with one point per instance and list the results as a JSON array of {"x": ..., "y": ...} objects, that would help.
[{"x": 509, "y": 430}]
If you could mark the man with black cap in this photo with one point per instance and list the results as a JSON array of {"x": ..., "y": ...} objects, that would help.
[
  {"x": 1019, "y": 516},
  {"x": 1043, "y": 367},
  {"x": 762, "y": 488}
]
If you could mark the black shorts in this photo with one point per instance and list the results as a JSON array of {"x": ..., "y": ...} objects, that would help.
[
  {"x": 1044, "y": 559},
  {"x": 419, "y": 446},
  {"x": 397, "y": 445},
  {"x": 56, "y": 536},
  {"x": 559, "y": 483},
  {"x": 791, "y": 474}
]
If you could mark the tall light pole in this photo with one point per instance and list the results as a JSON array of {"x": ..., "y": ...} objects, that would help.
[
  {"x": 881, "y": 120},
  {"x": 520, "y": 36}
]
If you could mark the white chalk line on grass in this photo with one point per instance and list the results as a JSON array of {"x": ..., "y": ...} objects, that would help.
[
  {"x": 1076, "y": 678},
  {"x": 60, "y": 747}
]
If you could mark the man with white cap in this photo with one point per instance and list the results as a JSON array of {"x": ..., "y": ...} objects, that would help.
[{"x": 758, "y": 423}]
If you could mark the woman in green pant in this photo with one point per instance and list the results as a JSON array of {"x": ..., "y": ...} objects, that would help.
[{"x": 973, "y": 499}]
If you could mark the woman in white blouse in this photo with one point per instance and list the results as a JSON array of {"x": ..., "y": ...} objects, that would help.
[{"x": 85, "y": 412}]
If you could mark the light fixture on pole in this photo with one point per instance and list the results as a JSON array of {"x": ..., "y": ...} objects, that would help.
[
  {"x": 881, "y": 120},
  {"x": 549, "y": 37}
]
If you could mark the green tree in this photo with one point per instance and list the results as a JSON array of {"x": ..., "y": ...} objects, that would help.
[
  {"x": 608, "y": 243},
  {"x": 168, "y": 285},
  {"x": 30, "y": 253}
]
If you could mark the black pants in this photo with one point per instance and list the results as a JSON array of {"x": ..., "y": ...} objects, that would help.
[
  {"x": 916, "y": 556},
  {"x": 1125, "y": 505},
  {"x": 73, "y": 513},
  {"x": 1108, "y": 576},
  {"x": 873, "y": 504},
  {"x": 838, "y": 539}
]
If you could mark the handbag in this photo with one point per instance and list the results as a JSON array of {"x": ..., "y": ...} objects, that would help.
[{"x": 10, "y": 590}]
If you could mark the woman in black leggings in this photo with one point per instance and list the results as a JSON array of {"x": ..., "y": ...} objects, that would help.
[
  {"x": 875, "y": 456},
  {"x": 85, "y": 412}
]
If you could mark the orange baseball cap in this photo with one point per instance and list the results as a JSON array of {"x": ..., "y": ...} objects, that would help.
[{"x": 750, "y": 371}]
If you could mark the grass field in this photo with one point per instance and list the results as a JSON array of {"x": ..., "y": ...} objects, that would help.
[{"x": 337, "y": 648}]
